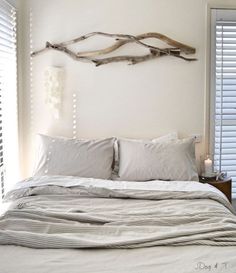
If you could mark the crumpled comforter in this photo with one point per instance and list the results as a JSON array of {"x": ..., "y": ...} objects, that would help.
[{"x": 71, "y": 212}]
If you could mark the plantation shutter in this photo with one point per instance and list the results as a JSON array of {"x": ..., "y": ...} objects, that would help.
[
  {"x": 224, "y": 75},
  {"x": 7, "y": 74}
]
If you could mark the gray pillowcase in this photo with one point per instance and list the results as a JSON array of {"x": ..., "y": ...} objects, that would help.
[
  {"x": 84, "y": 158},
  {"x": 143, "y": 161},
  {"x": 165, "y": 138}
]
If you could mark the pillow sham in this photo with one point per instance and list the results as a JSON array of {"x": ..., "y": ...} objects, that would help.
[
  {"x": 84, "y": 158},
  {"x": 165, "y": 138},
  {"x": 142, "y": 161}
]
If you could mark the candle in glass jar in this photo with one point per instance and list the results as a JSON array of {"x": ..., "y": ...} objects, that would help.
[{"x": 208, "y": 166}]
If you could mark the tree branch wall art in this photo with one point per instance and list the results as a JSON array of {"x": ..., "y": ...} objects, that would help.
[{"x": 174, "y": 48}]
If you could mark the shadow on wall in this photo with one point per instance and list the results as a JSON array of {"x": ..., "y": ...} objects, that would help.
[{"x": 234, "y": 203}]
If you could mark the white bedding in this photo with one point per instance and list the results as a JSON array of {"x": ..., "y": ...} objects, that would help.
[
  {"x": 128, "y": 208},
  {"x": 72, "y": 181},
  {"x": 181, "y": 259}
]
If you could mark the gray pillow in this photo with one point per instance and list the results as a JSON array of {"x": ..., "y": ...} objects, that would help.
[
  {"x": 143, "y": 161},
  {"x": 165, "y": 138},
  {"x": 84, "y": 158}
]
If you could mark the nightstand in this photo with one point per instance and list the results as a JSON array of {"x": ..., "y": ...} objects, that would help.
[{"x": 224, "y": 186}]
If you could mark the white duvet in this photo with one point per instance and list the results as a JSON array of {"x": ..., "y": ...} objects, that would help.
[
  {"x": 161, "y": 227},
  {"x": 72, "y": 181}
]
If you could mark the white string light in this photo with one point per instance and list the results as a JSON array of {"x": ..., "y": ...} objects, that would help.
[
  {"x": 74, "y": 116},
  {"x": 31, "y": 73}
]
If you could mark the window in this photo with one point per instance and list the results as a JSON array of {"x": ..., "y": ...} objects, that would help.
[
  {"x": 223, "y": 87},
  {"x": 8, "y": 97}
]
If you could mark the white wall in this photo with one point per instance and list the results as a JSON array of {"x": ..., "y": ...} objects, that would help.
[{"x": 145, "y": 100}]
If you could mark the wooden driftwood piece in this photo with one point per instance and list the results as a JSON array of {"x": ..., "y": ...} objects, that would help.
[{"x": 122, "y": 39}]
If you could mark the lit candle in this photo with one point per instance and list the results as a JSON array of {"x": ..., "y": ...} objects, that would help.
[{"x": 208, "y": 166}]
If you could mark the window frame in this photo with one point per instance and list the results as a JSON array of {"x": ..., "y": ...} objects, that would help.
[
  {"x": 227, "y": 14},
  {"x": 9, "y": 18}
]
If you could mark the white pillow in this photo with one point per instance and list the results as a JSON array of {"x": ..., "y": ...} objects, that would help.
[
  {"x": 169, "y": 137},
  {"x": 166, "y": 138},
  {"x": 84, "y": 158},
  {"x": 142, "y": 161}
]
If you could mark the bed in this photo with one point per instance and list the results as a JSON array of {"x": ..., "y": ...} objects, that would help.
[
  {"x": 68, "y": 224},
  {"x": 61, "y": 223}
]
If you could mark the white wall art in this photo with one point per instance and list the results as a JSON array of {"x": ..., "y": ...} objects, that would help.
[{"x": 53, "y": 84}]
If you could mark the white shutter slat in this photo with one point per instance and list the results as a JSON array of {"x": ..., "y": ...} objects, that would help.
[
  {"x": 227, "y": 169},
  {"x": 227, "y": 26},
  {"x": 5, "y": 22},
  {"x": 221, "y": 70},
  {"x": 228, "y": 76},
  {"x": 226, "y": 128},
  {"x": 226, "y": 90},
  {"x": 228, "y": 99},
  {"x": 226, "y": 151},
  {"x": 5, "y": 27},
  {"x": 4, "y": 35},
  {"x": 225, "y": 52},
  {"x": 225, "y": 140},
  {"x": 225, "y": 135},
  {"x": 225, "y": 145},
  {"x": 226, "y": 162},
  {"x": 225, "y": 118},
  {"x": 233, "y": 175},
  {"x": 226, "y": 105},
  {"x": 226, "y": 48},
  {"x": 6, "y": 13},
  {"x": 225, "y": 157}
]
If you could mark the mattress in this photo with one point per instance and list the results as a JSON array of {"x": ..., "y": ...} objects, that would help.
[{"x": 70, "y": 224}]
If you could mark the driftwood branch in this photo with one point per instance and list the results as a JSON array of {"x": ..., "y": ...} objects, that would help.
[
  {"x": 122, "y": 39},
  {"x": 130, "y": 38}
]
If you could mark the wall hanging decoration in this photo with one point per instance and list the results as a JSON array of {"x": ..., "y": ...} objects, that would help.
[
  {"x": 53, "y": 84},
  {"x": 175, "y": 49}
]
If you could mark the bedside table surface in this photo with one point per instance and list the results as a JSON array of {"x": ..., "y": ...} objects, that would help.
[
  {"x": 225, "y": 186},
  {"x": 204, "y": 179}
]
